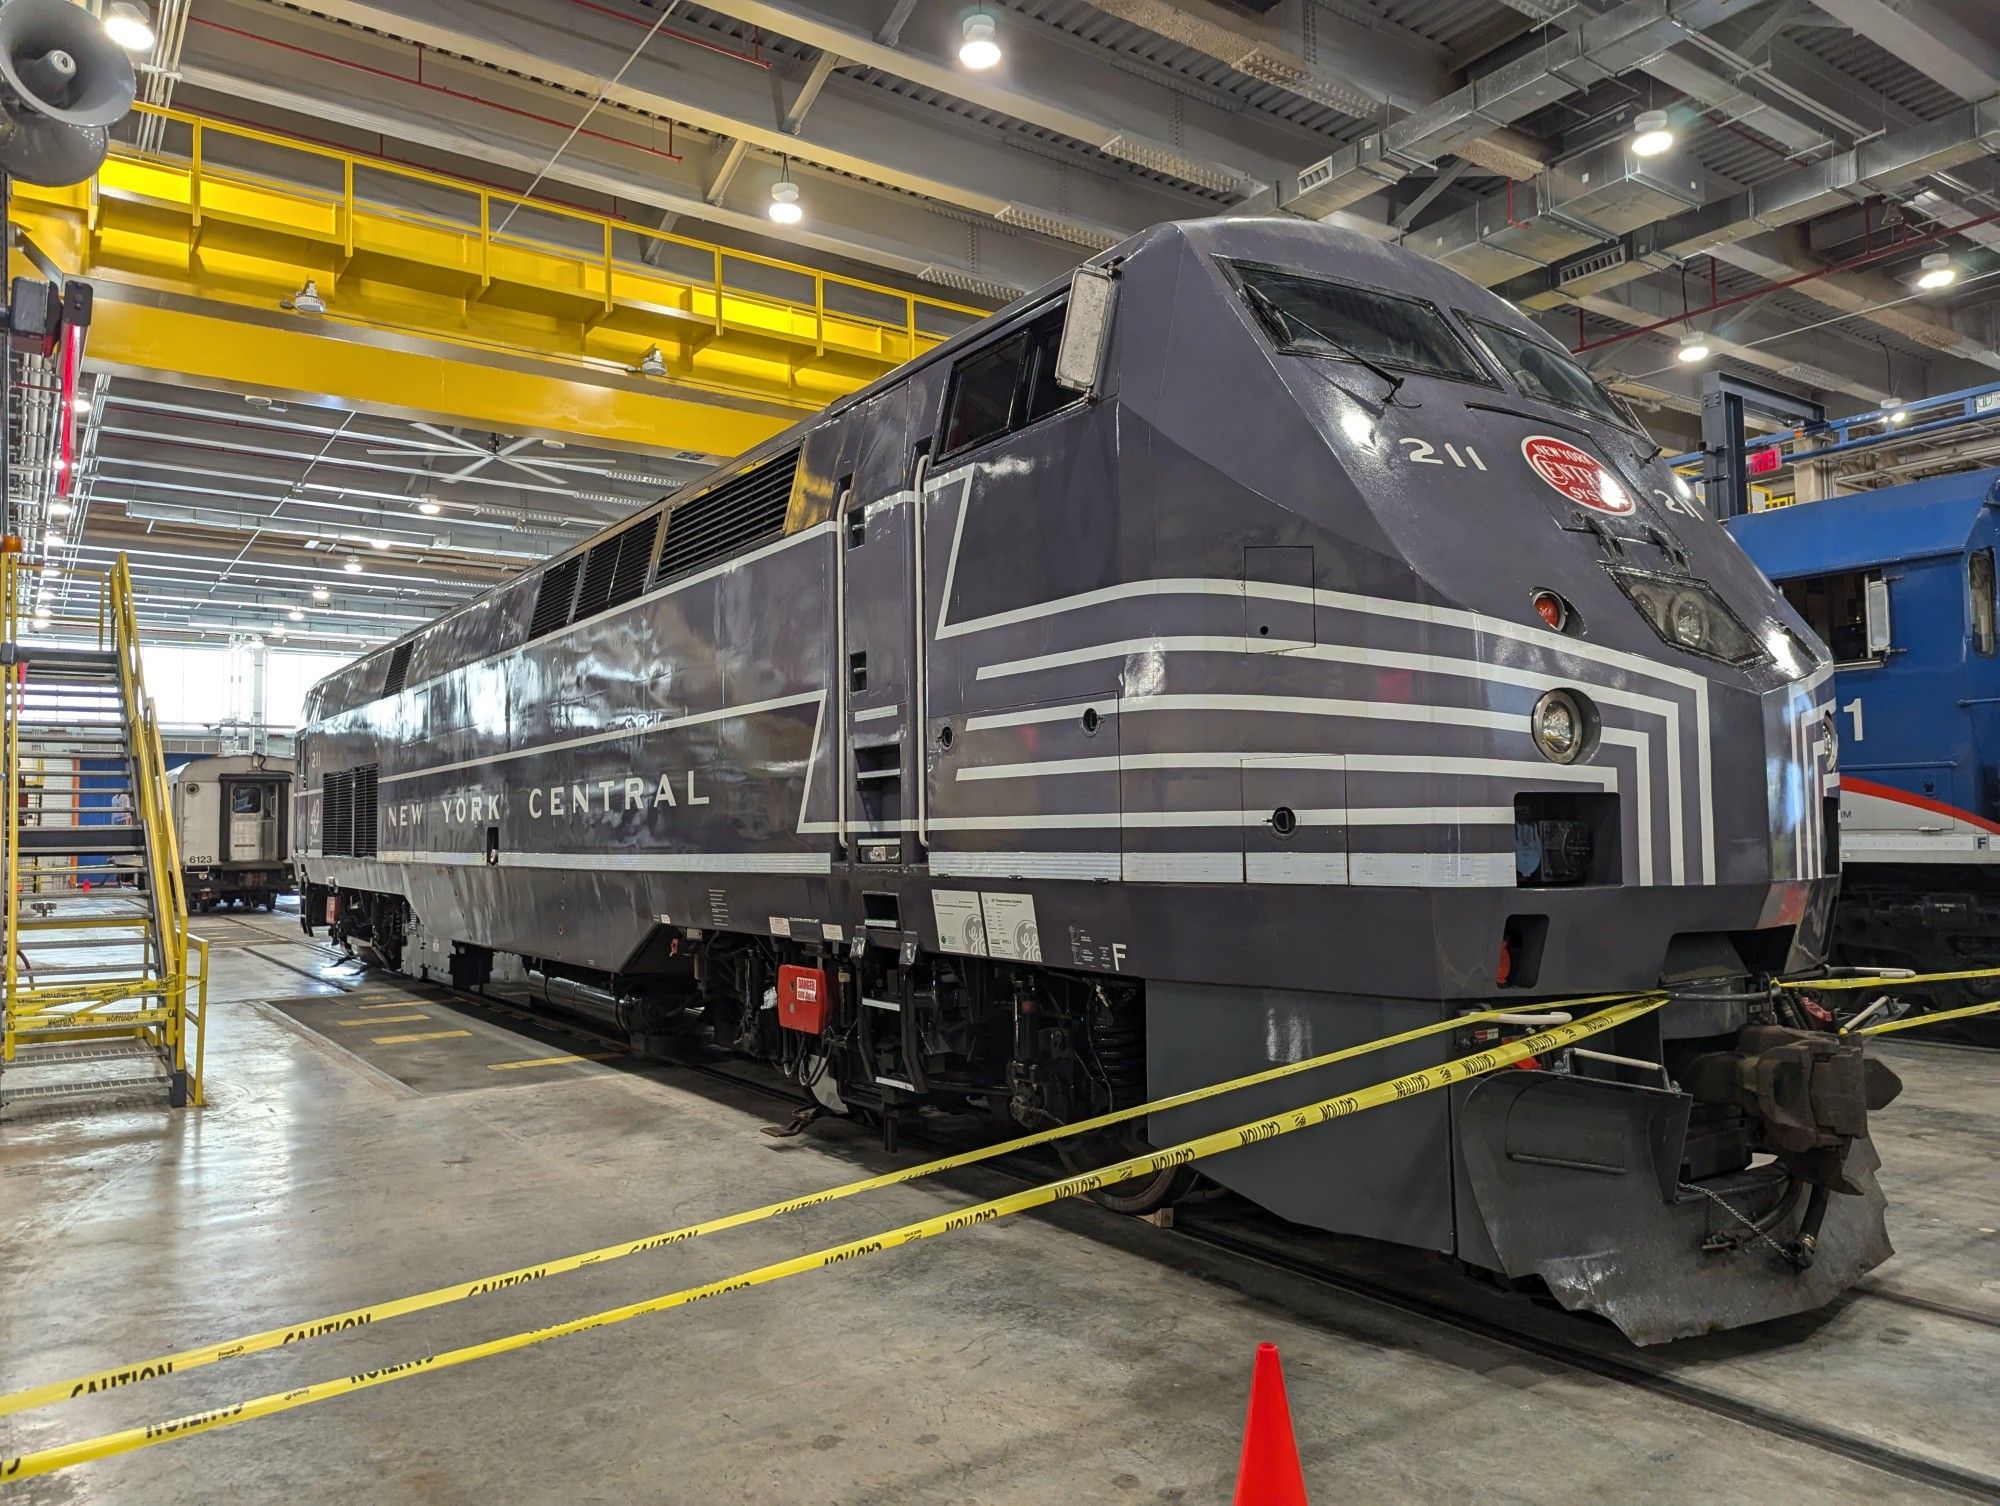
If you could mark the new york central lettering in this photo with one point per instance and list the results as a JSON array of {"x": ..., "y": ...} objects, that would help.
[
  {"x": 630, "y": 792},
  {"x": 569, "y": 800}
]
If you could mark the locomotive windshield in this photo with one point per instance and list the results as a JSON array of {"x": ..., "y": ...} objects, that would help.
[
  {"x": 1318, "y": 316},
  {"x": 1548, "y": 374}
]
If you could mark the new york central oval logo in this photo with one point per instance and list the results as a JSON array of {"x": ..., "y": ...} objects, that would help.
[{"x": 1576, "y": 473}]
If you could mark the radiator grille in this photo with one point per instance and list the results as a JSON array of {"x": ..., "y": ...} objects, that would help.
[
  {"x": 349, "y": 814},
  {"x": 736, "y": 516},
  {"x": 615, "y": 570},
  {"x": 399, "y": 668},
  {"x": 336, "y": 827},
  {"x": 367, "y": 813},
  {"x": 554, "y": 597}
]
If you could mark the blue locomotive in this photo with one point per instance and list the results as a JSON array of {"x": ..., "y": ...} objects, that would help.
[{"x": 1899, "y": 583}]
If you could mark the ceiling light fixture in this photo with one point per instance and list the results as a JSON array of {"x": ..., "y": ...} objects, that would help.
[
  {"x": 130, "y": 25},
  {"x": 429, "y": 508},
  {"x": 652, "y": 363},
  {"x": 980, "y": 49},
  {"x": 79, "y": 405},
  {"x": 59, "y": 509},
  {"x": 322, "y": 593},
  {"x": 1936, "y": 271},
  {"x": 785, "y": 206},
  {"x": 306, "y": 300},
  {"x": 378, "y": 543},
  {"x": 352, "y": 567},
  {"x": 1651, "y": 135},
  {"x": 1693, "y": 348},
  {"x": 296, "y": 615}
]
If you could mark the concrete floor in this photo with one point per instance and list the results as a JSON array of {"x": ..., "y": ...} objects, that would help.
[{"x": 1069, "y": 1356}]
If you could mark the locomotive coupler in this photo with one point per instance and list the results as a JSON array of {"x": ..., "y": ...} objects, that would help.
[{"x": 1807, "y": 1094}]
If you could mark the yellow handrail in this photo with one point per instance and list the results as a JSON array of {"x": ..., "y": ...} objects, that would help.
[
  {"x": 164, "y": 975},
  {"x": 14, "y": 784}
]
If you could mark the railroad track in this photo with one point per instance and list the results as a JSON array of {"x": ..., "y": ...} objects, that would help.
[{"x": 1245, "y": 1244}]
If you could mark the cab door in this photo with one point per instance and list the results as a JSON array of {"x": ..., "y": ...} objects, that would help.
[
  {"x": 877, "y": 651},
  {"x": 245, "y": 817}
]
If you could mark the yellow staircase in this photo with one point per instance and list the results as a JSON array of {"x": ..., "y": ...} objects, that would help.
[{"x": 100, "y": 993}]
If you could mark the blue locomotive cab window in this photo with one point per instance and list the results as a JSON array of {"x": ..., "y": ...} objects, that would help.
[
  {"x": 1319, "y": 316},
  {"x": 1849, "y": 609},
  {"x": 1005, "y": 386},
  {"x": 1542, "y": 371},
  {"x": 1979, "y": 577}
]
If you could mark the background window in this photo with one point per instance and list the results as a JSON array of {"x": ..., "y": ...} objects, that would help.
[
  {"x": 1979, "y": 575},
  {"x": 1843, "y": 609}
]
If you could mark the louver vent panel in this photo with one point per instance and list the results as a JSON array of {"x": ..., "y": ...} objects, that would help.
[
  {"x": 598, "y": 568},
  {"x": 635, "y": 558},
  {"x": 736, "y": 516},
  {"x": 336, "y": 835},
  {"x": 367, "y": 813},
  {"x": 552, "y": 600},
  {"x": 399, "y": 669}
]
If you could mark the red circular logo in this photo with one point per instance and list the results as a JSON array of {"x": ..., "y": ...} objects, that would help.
[{"x": 1577, "y": 474}]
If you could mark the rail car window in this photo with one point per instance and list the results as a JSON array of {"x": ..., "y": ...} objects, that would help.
[
  {"x": 1547, "y": 373},
  {"x": 1848, "y": 609},
  {"x": 1318, "y": 316},
  {"x": 1006, "y": 386},
  {"x": 1979, "y": 576},
  {"x": 244, "y": 801}
]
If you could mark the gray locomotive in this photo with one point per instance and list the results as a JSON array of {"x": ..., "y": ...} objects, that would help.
[{"x": 1264, "y": 641}]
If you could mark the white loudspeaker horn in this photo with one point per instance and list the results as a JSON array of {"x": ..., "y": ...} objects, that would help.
[{"x": 62, "y": 81}]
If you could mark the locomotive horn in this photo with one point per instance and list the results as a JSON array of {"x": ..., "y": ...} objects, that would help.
[{"x": 62, "y": 81}]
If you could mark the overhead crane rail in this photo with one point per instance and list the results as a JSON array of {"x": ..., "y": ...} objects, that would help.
[{"x": 228, "y": 218}]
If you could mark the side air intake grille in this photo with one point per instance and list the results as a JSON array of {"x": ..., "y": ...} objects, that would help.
[
  {"x": 635, "y": 558},
  {"x": 552, "y": 600},
  {"x": 349, "y": 815},
  {"x": 737, "y": 515},
  {"x": 367, "y": 813},
  {"x": 336, "y": 830},
  {"x": 615, "y": 569},
  {"x": 399, "y": 669}
]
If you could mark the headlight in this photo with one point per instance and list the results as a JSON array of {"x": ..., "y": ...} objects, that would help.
[
  {"x": 1559, "y": 726},
  {"x": 1689, "y": 615}
]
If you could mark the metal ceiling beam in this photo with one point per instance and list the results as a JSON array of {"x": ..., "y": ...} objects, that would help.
[
  {"x": 852, "y": 129},
  {"x": 1364, "y": 70},
  {"x": 1696, "y": 79},
  {"x": 1054, "y": 82},
  {"x": 1601, "y": 47},
  {"x": 513, "y": 124},
  {"x": 1754, "y": 342},
  {"x": 1868, "y": 295},
  {"x": 1922, "y": 35}
]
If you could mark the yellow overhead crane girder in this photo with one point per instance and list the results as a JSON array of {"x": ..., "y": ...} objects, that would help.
[{"x": 481, "y": 307}]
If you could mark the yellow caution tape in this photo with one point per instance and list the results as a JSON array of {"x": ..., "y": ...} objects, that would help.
[
  {"x": 1409, "y": 1085},
  {"x": 1890, "y": 985},
  {"x": 1911, "y": 1022},
  {"x": 115, "y": 1376}
]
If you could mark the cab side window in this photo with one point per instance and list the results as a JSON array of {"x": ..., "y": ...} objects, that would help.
[
  {"x": 1979, "y": 576},
  {"x": 1005, "y": 386}
]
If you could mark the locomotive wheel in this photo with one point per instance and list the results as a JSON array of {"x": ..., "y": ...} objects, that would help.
[
  {"x": 1139, "y": 1195},
  {"x": 1980, "y": 1030}
]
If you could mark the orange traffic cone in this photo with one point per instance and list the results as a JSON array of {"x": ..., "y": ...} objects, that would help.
[{"x": 1269, "y": 1472}]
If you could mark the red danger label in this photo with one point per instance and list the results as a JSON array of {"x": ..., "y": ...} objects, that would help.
[{"x": 1576, "y": 473}]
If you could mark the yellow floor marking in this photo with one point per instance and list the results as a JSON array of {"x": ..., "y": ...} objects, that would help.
[
  {"x": 552, "y": 1061},
  {"x": 393, "y": 1004},
  {"x": 427, "y": 1035},
  {"x": 385, "y": 1019}
]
